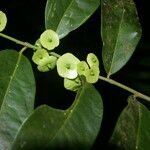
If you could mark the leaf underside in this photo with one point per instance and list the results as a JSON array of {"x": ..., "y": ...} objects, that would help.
[
  {"x": 74, "y": 128},
  {"x": 121, "y": 32},
  {"x": 133, "y": 127},
  {"x": 17, "y": 91},
  {"x": 65, "y": 16}
]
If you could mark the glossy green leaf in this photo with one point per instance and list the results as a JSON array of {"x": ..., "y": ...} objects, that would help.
[
  {"x": 65, "y": 16},
  {"x": 132, "y": 131},
  {"x": 17, "y": 91},
  {"x": 120, "y": 32},
  {"x": 74, "y": 128}
]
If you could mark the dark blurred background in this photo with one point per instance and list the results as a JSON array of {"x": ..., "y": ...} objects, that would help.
[{"x": 26, "y": 22}]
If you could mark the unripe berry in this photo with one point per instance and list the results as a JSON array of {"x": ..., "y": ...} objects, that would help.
[
  {"x": 67, "y": 66},
  {"x": 3, "y": 21},
  {"x": 49, "y": 39},
  {"x": 82, "y": 67},
  {"x": 92, "y": 60},
  {"x": 92, "y": 74},
  {"x": 40, "y": 57}
]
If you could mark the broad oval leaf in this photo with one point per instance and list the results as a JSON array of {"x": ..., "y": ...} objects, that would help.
[
  {"x": 65, "y": 16},
  {"x": 74, "y": 128},
  {"x": 120, "y": 31},
  {"x": 17, "y": 91},
  {"x": 132, "y": 131}
]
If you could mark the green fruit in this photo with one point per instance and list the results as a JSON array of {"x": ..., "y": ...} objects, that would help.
[
  {"x": 82, "y": 67},
  {"x": 40, "y": 57},
  {"x": 48, "y": 64},
  {"x": 49, "y": 39},
  {"x": 92, "y": 60},
  {"x": 3, "y": 21},
  {"x": 67, "y": 66},
  {"x": 72, "y": 85},
  {"x": 92, "y": 74}
]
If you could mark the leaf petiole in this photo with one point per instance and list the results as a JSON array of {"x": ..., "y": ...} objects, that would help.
[
  {"x": 25, "y": 44},
  {"x": 22, "y": 50}
]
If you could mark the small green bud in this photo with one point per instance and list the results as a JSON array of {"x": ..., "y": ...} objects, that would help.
[
  {"x": 72, "y": 85},
  {"x": 82, "y": 67},
  {"x": 49, "y": 39},
  {"x": 92, "y": 74},
  {"x": 40, "y": 57},
  {"x": 38, "y": 43},
  {"x": 67, "y": 66},
  {"x": 92, "y": 60},
  {"x": 43, "y": 68},
  {"x": 3, "y": 21}
]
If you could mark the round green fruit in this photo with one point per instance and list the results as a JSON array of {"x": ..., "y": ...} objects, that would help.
[
  {"x": 92, "y": 74},
  {"x": 92, "y": 60},
  {"x": 40, "y": 57},
  {"x": 67, "y": 66},
  {"x": 3, "y": 21},
  {"x": 49, "y": 39},
  {"x": 82, "y": 67}
]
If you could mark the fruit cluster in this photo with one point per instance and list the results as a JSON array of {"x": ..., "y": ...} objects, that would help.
[
  {"x": 69, "y": 67},
  {"x": 74, "y": 71}
]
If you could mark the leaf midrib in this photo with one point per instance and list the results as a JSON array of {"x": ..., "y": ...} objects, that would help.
[
  {"x": 116, "y": 43},
  {"x": 70, "y": 112},
  {"x": 11, "y": 79},
  {"x": 64, "y": 14},
  {"x": 139, "y": 125}
]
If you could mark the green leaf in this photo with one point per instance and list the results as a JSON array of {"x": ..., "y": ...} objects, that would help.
[
  {"x": 74, "y": 128},
  {"x": 17, "y": 91},
  {"x": 120, "y": 32},
  {"x": 132, "y": 131},
  {"x": 65, "y": 16}
]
